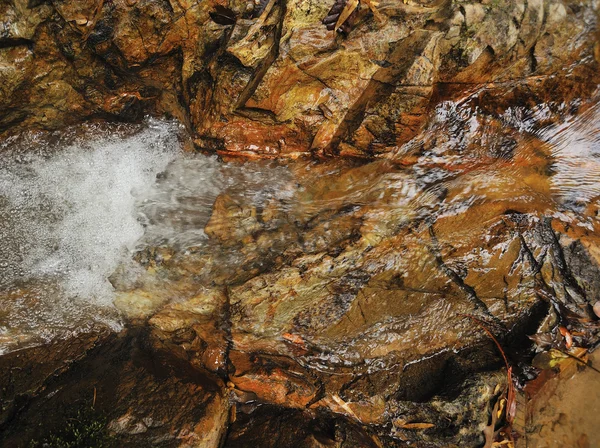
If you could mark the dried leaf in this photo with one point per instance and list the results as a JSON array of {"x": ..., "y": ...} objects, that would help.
[
  {"x": 501, "y": 407},
  {"x": 351, "y": 5},
  {"x": 511, "y": 402},
  {"x": 333, "y": 14},
  {"x": 579, "y": 353},
  {"x": 490, "y": 430},
  {"x": 344, "y": 406},
  {"x": 567, "y": 335},
  {"x": 511, "y": 398},
  {"x": 373, "y": 4},
  {"x": 504, "y": 444},
  {"x": 549, "y": 359},
  {"x": 543, "y": 340},
  {"x": 404, "y": 425}
]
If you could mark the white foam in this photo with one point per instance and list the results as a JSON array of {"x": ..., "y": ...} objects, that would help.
[
  {"x": 86, "y": 195},
  {"x": 67, "y": 219}
]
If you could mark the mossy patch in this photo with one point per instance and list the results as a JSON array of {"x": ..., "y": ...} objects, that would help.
[{"x": 85, "y": 428}]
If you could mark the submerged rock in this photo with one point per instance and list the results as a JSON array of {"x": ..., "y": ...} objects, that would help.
[
  {"x": 362, "y": 311},
  {"x": 340, "y": 312}
]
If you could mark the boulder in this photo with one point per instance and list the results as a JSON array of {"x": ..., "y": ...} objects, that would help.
[{"x": 271, "y": 80}]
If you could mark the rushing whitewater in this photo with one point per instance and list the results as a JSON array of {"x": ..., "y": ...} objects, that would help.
[
  {"x": 68, "y": 217},
  {"x": 76, "y": 205}
]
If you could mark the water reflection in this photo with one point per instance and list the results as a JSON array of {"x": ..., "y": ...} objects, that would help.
[{"x": 576, "y": 157}]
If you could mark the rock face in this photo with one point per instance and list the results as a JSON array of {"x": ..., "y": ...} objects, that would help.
[
  {"x": 342, "y": 314},
  {"x": 355, "y": 299},
  {"x": 270, "y": 79}
]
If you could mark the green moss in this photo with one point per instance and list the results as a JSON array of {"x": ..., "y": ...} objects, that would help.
[{"x": 84, "y": 429}]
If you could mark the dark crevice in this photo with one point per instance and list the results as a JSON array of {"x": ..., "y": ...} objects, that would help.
[
  {"x": 223, "y": 16},
  {"x": 559, "y": 259},
  {"x": 264, "y": 66},
  {"x": 255, "y": 113},
  {"x": 470, "y": 292},
  {"x": 535, "y": 266},
  {"x": 15, "y": 42},
  {"x": 533, "y": 59}
]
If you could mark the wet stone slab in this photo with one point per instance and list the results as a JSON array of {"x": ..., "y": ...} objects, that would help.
[
  {"x": 355, "y": 297},
  {"x": 336, "y": 303}
]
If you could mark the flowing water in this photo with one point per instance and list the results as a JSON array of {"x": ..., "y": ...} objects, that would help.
[
  {"x": 67, "y": 209},
  {"x": 76, "y": 205},
  {"x": 370, "y": 263}
]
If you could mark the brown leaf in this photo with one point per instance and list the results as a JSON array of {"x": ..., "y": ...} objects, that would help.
[
  {"x": 351, "y": 5},
  {"x": 543, "y": 340},
  {"x": 567, "y": 335},
  {"x": 334, "y": 14},
  {"x": 597, "y": 308},
  {"x": 490, "y": 430},
  {"x": 405, "y": 425}
]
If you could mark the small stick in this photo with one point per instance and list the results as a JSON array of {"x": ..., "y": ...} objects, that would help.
[
  {"x": 585, "y": 363},
  {"x": 511, "y": 402}
]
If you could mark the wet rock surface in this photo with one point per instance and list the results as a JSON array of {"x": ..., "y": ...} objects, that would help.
[
  {"x": 270, "y": 79},
  {"x": 342, "y": 312},
  {"x": 360, "y": 304},
  {"x": 336, "y": 307},
  {"x": 113, "y": 384}
]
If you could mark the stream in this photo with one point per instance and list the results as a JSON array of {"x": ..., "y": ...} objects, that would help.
[{"x": 344, "y": 267}]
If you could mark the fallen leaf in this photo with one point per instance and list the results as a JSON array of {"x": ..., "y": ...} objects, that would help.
[
  {"x": 504, "y": 443},
  {"x": 579, "y": 353},
  {"x": 351, "y": 5},
  {"x": 490, "y": 430},
  {"x": 373, "y": 4},
  {"x": 405, "y": 425},
  {"x": 344, "y": 406},
  {"x": 511, "y": 398},
  {"x": 596, "y": 308},
  {"x": 549, "y": 359},
  {"x": 542, "y": 340},
  {"x": 567, "y": 335}
]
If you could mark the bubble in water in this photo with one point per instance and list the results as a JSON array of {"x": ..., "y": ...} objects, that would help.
[{"x": 67, "y": 219}]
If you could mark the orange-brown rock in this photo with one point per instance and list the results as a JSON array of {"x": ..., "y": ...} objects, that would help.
[
  {"x": 342, "y": 313},
  {"x": 354, "y": 298},
  {"x": 278, "y": 83},
  {"x": 194, "y": 330}
]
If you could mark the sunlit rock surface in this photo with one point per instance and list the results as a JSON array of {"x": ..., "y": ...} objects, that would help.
[
  {"x": 271, "y": 80},
  {"x": 334, "y": 303},
  {"x": 292, "y": 303}
]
